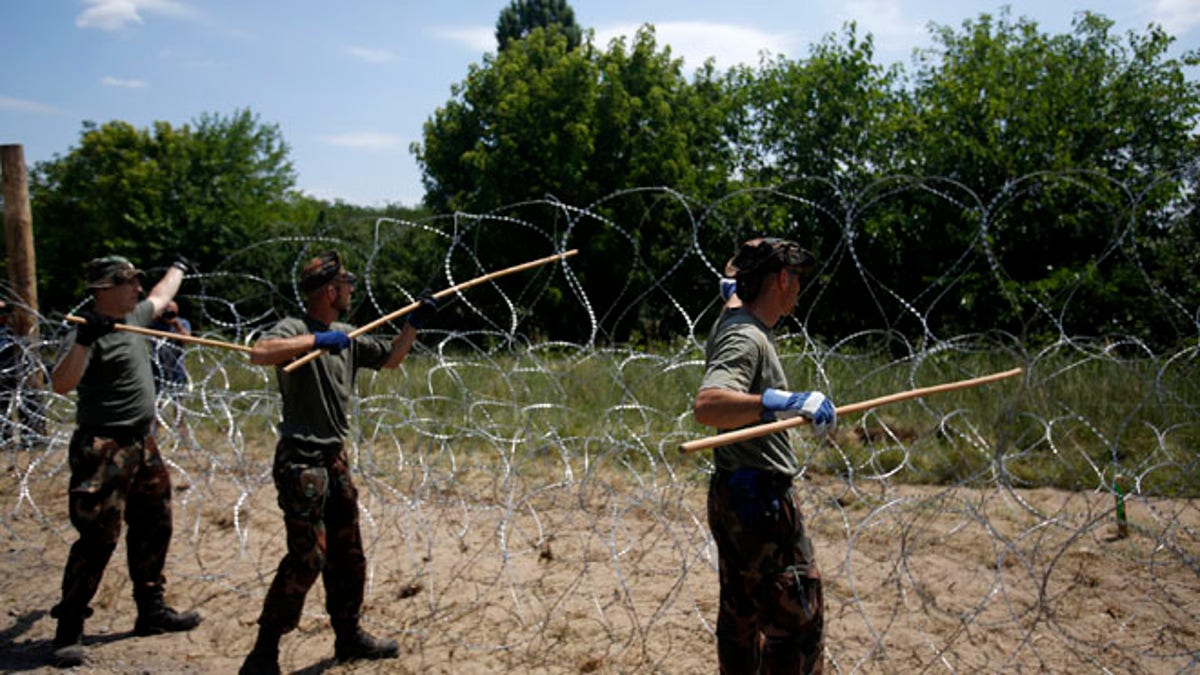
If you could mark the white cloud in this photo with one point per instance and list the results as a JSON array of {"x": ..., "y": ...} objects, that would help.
[
  {"x": 116, "y": 14},
  {"x": 478, "y": 39},
  {"x": 1176, "y": 16},
  {"x": 110, "y": 81},
  {"x": 370, "y": 55},
  {"x": 697, "y": 41},
  {"x": 366, "y": 140},
  {"x": 886, "y": 21},
  {"x": 25, "y": 105}
]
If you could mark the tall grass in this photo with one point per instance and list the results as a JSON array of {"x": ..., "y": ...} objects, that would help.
[{"x": 1074, "y": 420}]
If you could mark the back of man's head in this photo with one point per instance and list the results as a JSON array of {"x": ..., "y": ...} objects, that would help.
[{"x": 760, "y": 257}]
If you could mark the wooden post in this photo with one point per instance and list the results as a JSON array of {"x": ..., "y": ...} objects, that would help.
[
  {"x": 22, "y": 275},
  {"x": 18, "y": 242}
]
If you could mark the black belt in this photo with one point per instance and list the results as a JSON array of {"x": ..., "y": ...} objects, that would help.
[{"x": 763, "y": 479}]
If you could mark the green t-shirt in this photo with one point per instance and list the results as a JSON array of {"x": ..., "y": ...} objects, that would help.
[
  {"x": 316, "y": 396},
  {"x": 740, "y": 356},
  {"x": 117, "y": 387}
]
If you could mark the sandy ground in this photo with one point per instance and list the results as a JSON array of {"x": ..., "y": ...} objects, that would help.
[{"x": 487, "y": 569}]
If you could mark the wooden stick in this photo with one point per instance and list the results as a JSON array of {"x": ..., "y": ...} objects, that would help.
[
  {"x": 168, "y": 335},
  {"x": 731, "y": 437},
  {"x": 438, "y": 296}
]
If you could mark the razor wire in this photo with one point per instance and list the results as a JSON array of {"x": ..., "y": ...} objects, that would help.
[{"x": 524, "y": 505}]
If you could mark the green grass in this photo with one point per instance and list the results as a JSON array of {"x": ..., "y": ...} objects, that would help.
[{"x": 1073, "y": 421}]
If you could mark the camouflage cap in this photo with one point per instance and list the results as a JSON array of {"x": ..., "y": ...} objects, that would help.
[
  {"x": 323, "y": 269},
  {"x": 768, "y": 254},
  {"x": 111, "y": 270}
]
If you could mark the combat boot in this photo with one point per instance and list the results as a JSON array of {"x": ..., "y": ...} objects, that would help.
[
  {"x": 264, "y": 658},
  {"x": 359, "y": 644},
  {"x": 260, "y": 662},
  {"x": 154, "y": 618},
  {"x": 68, "y": 643}
]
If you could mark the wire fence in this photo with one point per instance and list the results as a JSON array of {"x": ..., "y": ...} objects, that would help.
[{"x": 525, "y": 505}]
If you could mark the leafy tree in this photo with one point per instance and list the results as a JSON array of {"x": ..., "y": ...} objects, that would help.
[
  {"x": 540, "y": 121},
  {"x": 826, "y": 115},
  {"x": 204, "y": 190},
  {"x": 522, "y": 16},
  {"x": 1034, "y": 179},
  {"x": 999, "y": 101}
]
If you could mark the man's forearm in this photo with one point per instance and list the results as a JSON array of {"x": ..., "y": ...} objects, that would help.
[{"x": 69, "y": 371}]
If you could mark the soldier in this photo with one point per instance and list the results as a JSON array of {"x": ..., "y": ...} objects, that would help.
[
  {"x": 168, "y": 366},
  {"x": 771, "y": 613},
  {"x": 311, "y": 472},
  {"x": 115, "y": 464}
]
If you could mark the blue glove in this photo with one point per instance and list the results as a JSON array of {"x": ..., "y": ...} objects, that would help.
[
  {"x": 728, "y": 287},
  {"x": 779, "y": 404},
  {"x": 332, "y": 340},
  {"x": 425, "y": 311}
]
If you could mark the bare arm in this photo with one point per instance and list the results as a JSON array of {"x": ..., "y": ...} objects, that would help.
[
  {"x": 401, "y": 345},
  {"x": 274, "y": 351},
  {"x": 68, "y": 372},
  {"x": 726, "y": 408},
  {"x": 166, "y": 288}
]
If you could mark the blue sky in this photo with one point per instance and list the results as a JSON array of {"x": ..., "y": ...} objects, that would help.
[{"x": 350, "y": 83}]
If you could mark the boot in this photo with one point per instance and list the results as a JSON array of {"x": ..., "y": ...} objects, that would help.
[
  {"x": 359, "y": 644},
  {"x": 264, "y": 658},
  {"x": 154, "y": 618},
  {"x": 68, "y": 643}
]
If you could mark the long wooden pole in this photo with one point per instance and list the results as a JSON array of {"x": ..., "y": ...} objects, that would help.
[
  {"x": 179, "y": 337},
  {"x": 731, "y": 437},
  {"x": 439, "y": 295}
]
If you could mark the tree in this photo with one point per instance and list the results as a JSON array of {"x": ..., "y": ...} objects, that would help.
[
  {"x": 1061, "y": 147},
  {"x": 204, "y": 189},
  {"x": 540, "y": 121},
  {"x": 825, "y": 116},
  {"x": 521, "y": 16}
]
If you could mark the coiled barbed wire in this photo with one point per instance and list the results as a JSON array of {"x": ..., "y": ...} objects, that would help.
[{"x": 524, "y": 504}]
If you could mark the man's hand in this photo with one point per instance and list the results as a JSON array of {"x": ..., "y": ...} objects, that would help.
[
  {"x": 184, "y": 265},
  {"x": 779, "y": 404},
  {"x": 333, "y": 341},
  {"x": 425, "y": 311},
  {"x": 97, "y": 326}
]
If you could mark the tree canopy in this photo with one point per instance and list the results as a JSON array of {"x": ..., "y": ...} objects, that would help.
[
  {"x": 520, "y": 17},
  {"x": 205, "y": 189},
  {"x": 1035, "y": 179},
  {"x": 994, "y": 102}
]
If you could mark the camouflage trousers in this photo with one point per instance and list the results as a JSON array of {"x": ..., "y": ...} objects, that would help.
[
  {"x": 771, "y": 617},
  {"x": 320, "y": 513},
  {"x": 115, "y": 474}
]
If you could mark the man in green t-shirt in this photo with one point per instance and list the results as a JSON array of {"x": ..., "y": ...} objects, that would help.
[
  {"x": 311, "y": 469},
  {"x": 116, "y": 468},
  {"x": 771, "y": 616}
]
